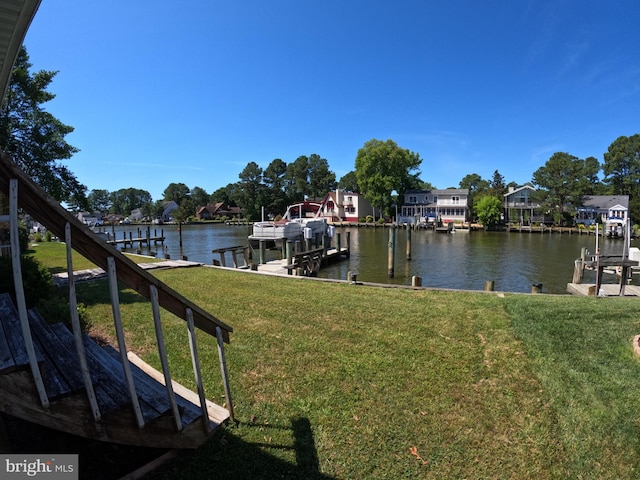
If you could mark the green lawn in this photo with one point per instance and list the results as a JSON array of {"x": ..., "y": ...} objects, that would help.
[{"x": 334, "y": 380}]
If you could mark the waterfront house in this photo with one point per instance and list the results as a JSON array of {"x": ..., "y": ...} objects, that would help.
[
  {"x": 520, "y": 207},
  {"x": 217, "y": 210},
  {"x": 169, "y": 206},
  {"x": 602, "y": 208},
  {"x": 343, "y": 205},
  {"x": 90, "y": 219},
  {"x": 446, "y": 206}
]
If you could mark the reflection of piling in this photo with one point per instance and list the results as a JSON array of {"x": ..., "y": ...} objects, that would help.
[{"x": 408, "y": 244}]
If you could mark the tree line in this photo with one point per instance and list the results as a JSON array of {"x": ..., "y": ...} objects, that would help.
[{"x": 382, "y": 173}]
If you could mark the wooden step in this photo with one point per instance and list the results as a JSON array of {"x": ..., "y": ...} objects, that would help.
[
  {"x": 61, "y": 367},
  {"x": 14, "y": 353}
]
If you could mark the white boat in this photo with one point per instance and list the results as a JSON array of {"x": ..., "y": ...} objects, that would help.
[
  {"x": 301, "y": 221},
  {"x": 614, "y": 227}
]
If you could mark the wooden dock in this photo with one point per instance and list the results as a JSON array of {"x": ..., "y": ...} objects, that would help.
[
  {"x": 608, "y": 290},
  {"x": 298, "y": 266}
]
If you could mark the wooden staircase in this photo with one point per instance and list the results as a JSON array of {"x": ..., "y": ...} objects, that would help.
[
  {"x": 58, "y": 360},
  {"x": 62, "y": 379}
]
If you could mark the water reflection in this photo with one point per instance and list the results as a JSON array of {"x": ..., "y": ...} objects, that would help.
[{"x": 514, "y": 261}]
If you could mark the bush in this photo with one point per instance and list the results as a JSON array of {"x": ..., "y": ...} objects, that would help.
[
  {"x": 37, "y": 238},
  {"x": 381, "y": 221},
  {"x": 47, "y": 236},
  {"x": 37, "y": 280},
  {"x": 56, "y": 310},
  {"x": 368, "y": 219}
]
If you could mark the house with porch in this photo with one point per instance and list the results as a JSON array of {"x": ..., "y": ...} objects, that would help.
[
  {"x": 346, "y": 206},
  {"x": 520, "y": 207},
  {"x": 446, "y": 206},
  {"x": 603, "y": 209}
]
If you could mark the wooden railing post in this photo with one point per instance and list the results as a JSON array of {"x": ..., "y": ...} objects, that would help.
[
  {"x": 196, "y": 370},
  {"x": 77, "y": 330},
  {"x": 122, "y": 346},
  {"x": 162, "y": 351},
  {"x": 225, "y": 374},
  {"x": 19, "y": 288}
]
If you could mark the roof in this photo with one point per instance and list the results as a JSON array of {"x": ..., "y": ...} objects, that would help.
[
  {"x": 519, "y": 189},
  {"x": 605, "y": 202},
  {"x": 435, "y": 191},
  {"x": 15, "y": 18}
]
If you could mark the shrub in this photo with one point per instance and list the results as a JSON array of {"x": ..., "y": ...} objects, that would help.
[
  {"x": 369, "y": 219},
  {"x": 381, "y": 221},
  {"x": 37, "y": 280},
  {"x": 47, "y": 236},
  {"x": 37, "y": 238},
  {"x": 56, "y": 310}
]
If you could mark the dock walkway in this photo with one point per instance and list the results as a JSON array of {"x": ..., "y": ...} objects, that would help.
[
  {"x": 609, "y": 289},
  {"x": 62, "y": 279}
]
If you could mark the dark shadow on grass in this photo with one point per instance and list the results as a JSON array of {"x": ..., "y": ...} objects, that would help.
[{"x": 227, "y": 455}]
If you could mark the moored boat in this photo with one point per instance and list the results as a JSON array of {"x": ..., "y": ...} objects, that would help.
[{"x": 301, "y": 221}]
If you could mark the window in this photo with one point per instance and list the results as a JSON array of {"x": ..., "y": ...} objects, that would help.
[
  {"x": 455, "y": 200},
  {"x": 413, "y": 199}
]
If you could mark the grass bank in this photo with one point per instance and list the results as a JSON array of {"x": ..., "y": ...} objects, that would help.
[{"x": 339, "y": 381}]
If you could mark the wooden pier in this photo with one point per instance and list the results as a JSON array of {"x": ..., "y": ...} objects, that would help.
[{"x": 132, "y": 241}]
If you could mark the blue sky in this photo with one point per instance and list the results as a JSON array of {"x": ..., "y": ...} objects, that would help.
[{"x": 192, "y": 91}]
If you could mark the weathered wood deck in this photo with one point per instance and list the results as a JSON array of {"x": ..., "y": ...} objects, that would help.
[{"x": 69, "y": 409}]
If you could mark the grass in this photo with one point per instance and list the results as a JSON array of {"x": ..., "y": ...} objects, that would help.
[
  {"x": 52, "y": 255},
  {"x": 332, "y": 380}
]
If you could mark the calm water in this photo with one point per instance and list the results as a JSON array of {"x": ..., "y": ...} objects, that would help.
[{"x": 514, "y": 261}]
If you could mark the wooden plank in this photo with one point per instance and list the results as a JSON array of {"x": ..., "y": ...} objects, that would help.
[
  {"x": 54, "y": 384},
  {"x": 153, "y": 390},
  {"x": 109, "y": 370},
  {"x": 7, "y": 362},
  {"x": 73, "y": 415},
  {"x": 217, "y": 414},
  {"x": 150, "y": 390},
  {"x": 13, "y": 332},
  {"x": 60, "y": 361}
]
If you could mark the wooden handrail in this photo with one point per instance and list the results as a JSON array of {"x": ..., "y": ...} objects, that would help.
[{"x": 54, "y": 217}]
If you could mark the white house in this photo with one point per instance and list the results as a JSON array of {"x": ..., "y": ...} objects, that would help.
[
  {"x": 608, "y": 208},
  {"x": 448, "y": 205},
  {"x": 346, "y": 206}
]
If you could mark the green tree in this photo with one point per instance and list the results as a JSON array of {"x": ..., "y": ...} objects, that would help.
[
  {"x": 224, "y": 194},
  {"x": 321, "y": 179},
  {"x": 297, "y": 179},
  {"x": 476, "y": 185},
  {"x": 199, "y": 196},
  {"x": 488, "y": 209},
  {"x": 35, "y": 138},
  {"x": 176, "y": 192},
  {"x": 125, "y": 200},
  {"x": 497, "y": 187},
  {"x": 274, "y": 179},
  {"x": 559, "y": 177},
  {"x": 349, "y": 182},
  {"x": 249, "y": 194},
  {"x": 382, "y": 167},
  {"x": 99, "y": 200},
  {"x": 622, "y": 171}
]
